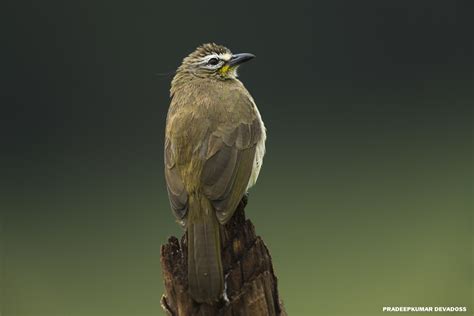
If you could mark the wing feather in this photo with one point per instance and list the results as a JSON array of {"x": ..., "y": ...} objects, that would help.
[
  {"x": 227, "y": 169},
  {"x": 176, "y": 190}
]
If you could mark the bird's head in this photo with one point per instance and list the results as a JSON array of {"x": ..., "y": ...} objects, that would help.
[{"x": 213, "y": 61}]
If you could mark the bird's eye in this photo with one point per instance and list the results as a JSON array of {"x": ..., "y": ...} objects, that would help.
[{"x": 213, "y": 61}]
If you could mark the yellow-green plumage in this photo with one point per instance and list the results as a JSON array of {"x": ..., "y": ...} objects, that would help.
[{"x": 214, "y": 145}]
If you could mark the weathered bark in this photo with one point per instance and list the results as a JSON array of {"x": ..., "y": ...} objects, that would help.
[{"x": 251, "y": 285}]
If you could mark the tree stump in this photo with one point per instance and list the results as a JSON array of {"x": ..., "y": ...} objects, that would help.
[{"x": 251, "y": 285}]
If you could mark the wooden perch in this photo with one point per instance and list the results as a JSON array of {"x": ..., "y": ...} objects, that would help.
[{"x": 251, "y": 285}]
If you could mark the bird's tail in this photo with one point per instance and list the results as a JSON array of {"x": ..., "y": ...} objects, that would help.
[{"x": 205, "y": 275}]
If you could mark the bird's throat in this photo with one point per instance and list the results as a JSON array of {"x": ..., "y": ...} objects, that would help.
[{"x": 226, "y": 70}]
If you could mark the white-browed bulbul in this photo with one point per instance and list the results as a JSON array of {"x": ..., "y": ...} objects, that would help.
[{"x": 214, "y": 148}]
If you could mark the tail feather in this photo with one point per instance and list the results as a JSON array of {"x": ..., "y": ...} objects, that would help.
[{"x": 205, "y": 275}]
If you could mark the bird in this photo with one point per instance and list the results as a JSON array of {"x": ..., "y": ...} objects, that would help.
[{"x": 213, "y": 153}]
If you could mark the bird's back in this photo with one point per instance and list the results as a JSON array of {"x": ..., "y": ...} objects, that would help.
[{"x": 201, "y": 109}]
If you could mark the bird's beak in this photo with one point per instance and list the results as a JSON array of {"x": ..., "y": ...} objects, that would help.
[{"x": 238, "y": 59}]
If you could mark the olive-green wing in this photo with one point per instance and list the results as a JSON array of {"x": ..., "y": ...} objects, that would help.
[
  {"x": 176, "y": 192},
  {"x": 228, "y": 166}
]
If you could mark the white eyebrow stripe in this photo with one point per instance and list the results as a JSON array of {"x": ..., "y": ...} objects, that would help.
[
  {"x": 208, "y": 57},
  {"x": 224, "y": 56},
  {"x": 205, "y": 59}
]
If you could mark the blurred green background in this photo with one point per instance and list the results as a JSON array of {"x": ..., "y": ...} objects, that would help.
[{"x": 365, "y": 197}]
